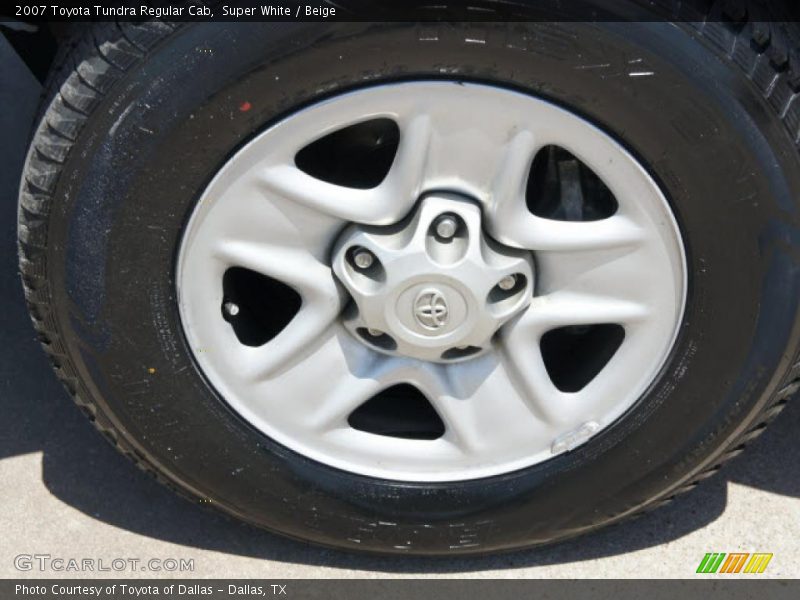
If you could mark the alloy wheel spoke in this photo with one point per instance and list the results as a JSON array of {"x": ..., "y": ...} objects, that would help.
[
  {"x": 516, "y": 226},
  {"x": 290, "y": 346},
  {"x": 480, "y": 405},
  {"x": 296, "y": 267},
  {"x": 523, "y": 359},
  {"x": 389, "y": 202},
  {"x": 562, "y": 309},
  {"x": 333, "y": 378}
]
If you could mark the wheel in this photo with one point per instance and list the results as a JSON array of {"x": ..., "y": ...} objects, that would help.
[{"x": 421, "y": 288}]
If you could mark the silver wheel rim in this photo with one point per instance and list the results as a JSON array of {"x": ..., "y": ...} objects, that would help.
[{"x": 500, "y": 408}]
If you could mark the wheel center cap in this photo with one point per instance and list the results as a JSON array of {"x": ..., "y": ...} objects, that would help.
[
  {"x": 429, "y": 291},
  {"x": 430, "y": 309}
]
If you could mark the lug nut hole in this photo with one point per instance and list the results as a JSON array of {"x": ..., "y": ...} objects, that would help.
[
  {"x": 364, "y": 267},
  {"x": 447, "y": 239},
  {"x": 377, "y": 338},
  {"x": 446, "y": 226},
  {"x": 508, "y": 286},
  {"x": 460, "y": 352},
  {"x": 361, "y": 258}
]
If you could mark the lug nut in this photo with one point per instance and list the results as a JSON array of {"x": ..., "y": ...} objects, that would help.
[
  {"x": 363, "y": 259},
  {"x": 507, "y": 283},
  {"x": 446, "y": 226},
  {"x": 374, "y": 332},
  {"x": 231, "y": 309}
]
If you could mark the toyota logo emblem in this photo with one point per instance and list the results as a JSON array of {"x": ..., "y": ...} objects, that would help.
[{"x": 430, "y": 309}]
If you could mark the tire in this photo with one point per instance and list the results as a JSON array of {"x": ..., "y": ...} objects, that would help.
[{"x": 140, "y": 119}]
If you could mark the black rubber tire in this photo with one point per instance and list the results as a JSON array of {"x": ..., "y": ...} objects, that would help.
[{"x": 141, "y": 116}]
